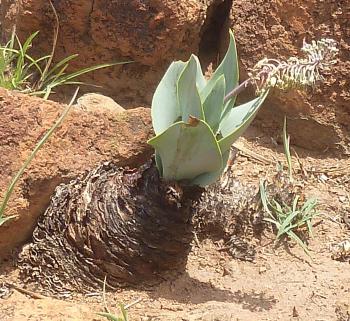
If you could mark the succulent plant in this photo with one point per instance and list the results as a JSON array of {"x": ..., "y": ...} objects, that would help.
[
  {"x": 132, "y": 224},
  {"x": 195, "y": 120}
]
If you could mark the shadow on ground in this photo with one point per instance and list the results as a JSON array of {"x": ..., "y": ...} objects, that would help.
[{"x": 186, "y": 289}]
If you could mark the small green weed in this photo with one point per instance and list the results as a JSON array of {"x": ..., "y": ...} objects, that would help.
[
  {"x": 289, "y": 215},
  {"x": 291, "y": 220},
  {"x": 123, "y": 308},
  {"x": 35, "y": 76},
  {"x": 111, "y": 317}
]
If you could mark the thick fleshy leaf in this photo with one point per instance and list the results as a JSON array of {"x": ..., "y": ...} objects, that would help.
[
  {"x": 211, "y": 177},
  {"x": 214, "y": 103},
  {"x": 200, "y": 80},
  {"x": 228, "y": 106},
  {"x": 187, "y": 151},
  {"x": 165, "y": 107},
  {"x": 228, "y": 68},
  {"x": 187, "y": 92},
  {"x": 237, "y": 120}
]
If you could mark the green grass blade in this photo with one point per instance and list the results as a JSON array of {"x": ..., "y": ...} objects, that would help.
[
  {"x": 309, "y": 228},
  {"x": 73, "y": 75},
  {"x": 25, "y": 78},
  {"x": 263, "y": 197},
  {"x": 52, "y": 79},
  {"x": 295, "y": 203},
  {"x": 47, "y": 92},
  {"x": 285, "y": 226},
  {"x": 9, "y": 50},
  {"x": 11, "y": 42},
  {"x": 309, "y": 205},
  {"x": 109, "y": 316},
  {"x": 37, "y": 93},
  {"x": 35, "y": 62},
  {"x": 296, "y": 238},
  {"x": 3, "y": 220},
  {"x": 286, "y": 145},
  {"x": 277, "y": 208},
  {"x": 60, "y": 64},
  {"x": 124, "y": 312},
  {"x": 28, "y": 43},
  {"x": 20, "y": 61},
  {"x": 272, "y": 221}
]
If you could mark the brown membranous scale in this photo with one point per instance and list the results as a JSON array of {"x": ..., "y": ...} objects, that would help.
[{"x": 126, "y": 224}]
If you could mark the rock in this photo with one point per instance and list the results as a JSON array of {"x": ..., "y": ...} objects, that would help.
[
  {"x": 84, "y": 140},
  {"x": 151, "y": 33},
  {"x": 96, "y": 102},
  {"x": 320, "y": 118}
]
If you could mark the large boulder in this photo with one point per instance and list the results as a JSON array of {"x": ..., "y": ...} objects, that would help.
[
  {"x": 151, "y": 33},
  {"x": 85, "y": 139},
  {"x": 317, "y": 119}
]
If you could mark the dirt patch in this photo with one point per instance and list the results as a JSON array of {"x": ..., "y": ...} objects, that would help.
[
  {"x": 278, "y": 284},
  {"x": 84, "y": 140}
]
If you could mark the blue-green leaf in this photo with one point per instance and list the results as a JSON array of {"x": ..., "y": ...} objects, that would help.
[
  {"x": 187, "y": 92},
  {"x": 165, "y": 107},
  {"x": 200, "y": 80},
  {"x": 187, "y": 151},
  {"x": 211, "y": 177},
  {"x": 228, "y": 68},
  {"x": 237, "y": 120},
  {"x": 214, "y": 103}
]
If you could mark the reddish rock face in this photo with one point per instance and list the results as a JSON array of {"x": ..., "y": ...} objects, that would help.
[
  {"x": 152, "y": 33},
  {"x": 84, "y": 140},
  {"x": 317, "y": 119}
]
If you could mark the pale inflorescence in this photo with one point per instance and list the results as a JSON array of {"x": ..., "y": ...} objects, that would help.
[{"x": 295, "y": 72}]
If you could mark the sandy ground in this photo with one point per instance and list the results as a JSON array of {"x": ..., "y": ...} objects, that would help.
[{"x": 280, "y": 284}]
